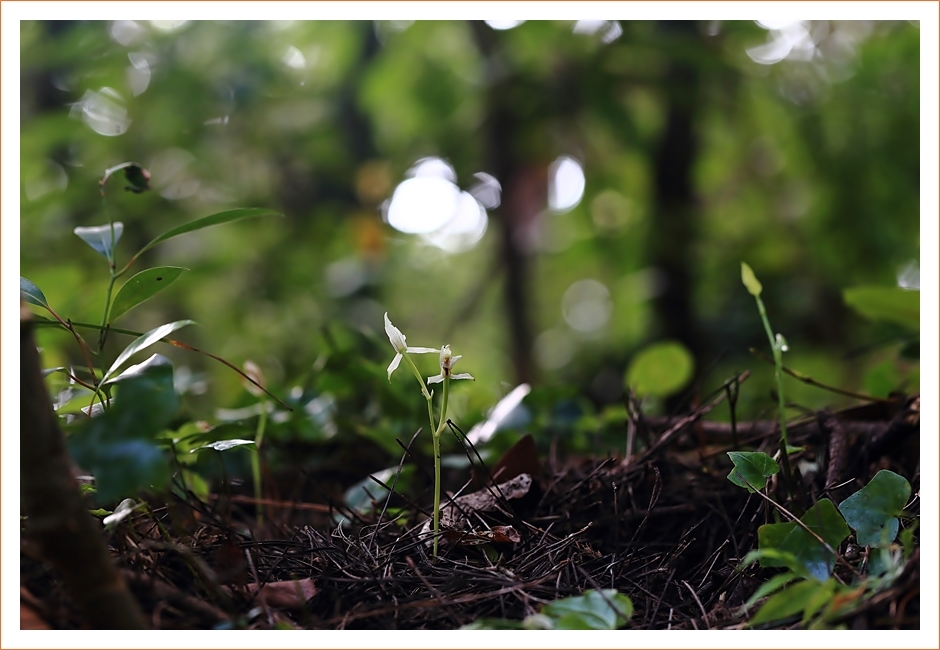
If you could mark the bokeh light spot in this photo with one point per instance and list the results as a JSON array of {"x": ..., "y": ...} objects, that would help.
[
  {"x": 565, "y": 184},
  {"x": 586, "y": 306}
]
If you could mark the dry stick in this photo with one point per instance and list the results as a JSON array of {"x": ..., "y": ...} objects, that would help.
[
  {"x": 668, "y": 435},
  {"x": 57, "y": 517},
  {"x": 838, "y": 449},
  {"x": 700, "y": 606},
  {"x": 431, "y": 588},
  {"x": 806, "y": 379}
]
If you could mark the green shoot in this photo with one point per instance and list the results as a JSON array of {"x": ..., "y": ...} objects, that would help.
[{"x": 778, "y": 345}]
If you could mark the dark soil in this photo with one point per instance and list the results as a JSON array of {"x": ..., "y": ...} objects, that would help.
[{"x": 664, "y": 527}]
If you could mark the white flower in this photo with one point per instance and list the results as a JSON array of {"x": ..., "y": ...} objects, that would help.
[
  {"x": 398, "y": 342},
  {"x": 448, "y": 360}
]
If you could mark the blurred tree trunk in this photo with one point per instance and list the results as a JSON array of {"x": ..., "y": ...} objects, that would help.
[
  {"x": 524, "y": 194},
  {"x": 57, "y": 520},
  {"x": 674, "y": 226}
]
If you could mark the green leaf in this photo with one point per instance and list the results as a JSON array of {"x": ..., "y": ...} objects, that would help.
[
  {"x": 99, "y": 237},
  {"x": 892, "y": 304},
  {"x": 751, "y": 283},
  {"x": 118, "y": 447},
  {"x": 754, "y": 467},
  {"x": 590, "y": 611},
  {"x": 141, "y": 287},
  {"x": 31, "y": 293},
  {"x": 819, "y": 599},
  {"x": 45, "y": 372},
  {"x": 872, "y": 511},
  {"x": 212, "y": 220},
  {"x": 142, "y": 342},
  {"x": 225, "y": 445},
  {"x": 773, "y": 584},
  {"x": 814, "y": 559},
  {"x": 359, "y": 497},
  {"x": 787, "y": 602},
  {"x": 660, "y": 369}
]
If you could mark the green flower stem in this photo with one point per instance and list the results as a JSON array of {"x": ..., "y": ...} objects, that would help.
[
  {"x": 102, "y": 337},
  {"x": 256, "y": 459},
  {"x": 414, "y": 370},
  {"x": 436, "y": 441},
  {"x": 437, "y": 466},
  {"x": 778, "y": 363}
]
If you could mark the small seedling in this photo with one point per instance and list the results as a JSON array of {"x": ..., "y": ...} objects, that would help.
[
  {"x": 125, "y": 458},
  {"x": 447, "y": 362},
  {"x": 779, "y": 345}
]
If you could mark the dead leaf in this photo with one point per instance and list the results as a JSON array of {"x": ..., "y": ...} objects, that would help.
[
  {"x": 522, "y": 458},
  {"x": 454, "y": 514},
  {"x": 286, "y": 594}
]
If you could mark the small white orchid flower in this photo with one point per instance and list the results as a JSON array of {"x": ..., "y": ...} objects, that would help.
[
  {"x": 448, "y": 360},
  {"x": 401, "y": 347}
]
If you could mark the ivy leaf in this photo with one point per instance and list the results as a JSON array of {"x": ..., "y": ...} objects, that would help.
[
  {"x": 892, "y": 304},
  {"x": 590, "y": 611},
  {"x": 872, "y": 511},
  {"x": 793, "y": 599},
  {"x": 814, "y": 559},
  {"x": 752, "y": 467},
  {"x": 141, "y": 287}
]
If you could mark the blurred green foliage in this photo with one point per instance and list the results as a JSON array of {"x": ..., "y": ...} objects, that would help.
[{"x": 807, "y": 168}]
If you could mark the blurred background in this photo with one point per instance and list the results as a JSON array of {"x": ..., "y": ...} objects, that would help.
[{"x": 548, "y": 197}]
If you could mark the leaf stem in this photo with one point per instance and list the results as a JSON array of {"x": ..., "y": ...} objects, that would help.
[
  {"x": 778, "y": 372},
  {"x": 437, "y": 465},
  {"x": 256, "y": 459}
]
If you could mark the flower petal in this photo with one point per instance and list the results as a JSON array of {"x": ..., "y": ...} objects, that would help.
[
  {"x": 395, "y": 337},
  {"x": 421, "y": 350},
  {"x": 436, "y": 379},
  {"x": 393, "y": 365},
  {"x": 463, "y": 375}
]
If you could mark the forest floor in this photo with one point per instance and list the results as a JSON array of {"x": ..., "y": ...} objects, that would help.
[{"x": 664, "y": 527}]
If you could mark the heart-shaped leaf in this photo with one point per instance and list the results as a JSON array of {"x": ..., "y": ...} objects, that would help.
[
  {"x": 892, "y": 304},
  {"x": 142, "y": 342},
  {"x": 815, "y": 560},
  {"x": 141, "y": 287},
  {"x": 31, "y": 293},
  {"x": 100, "y": 237},
  {"x": 872, "y": 511},
  {"x": 752, "y": 467},
  {"x": 590, "y": 611}
]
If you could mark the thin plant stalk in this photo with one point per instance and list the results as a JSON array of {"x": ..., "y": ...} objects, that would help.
[
  {"x": 437, "y": 466},
  {"x": 256, "y": 460},
  {"x": 777, "y": 344}
]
